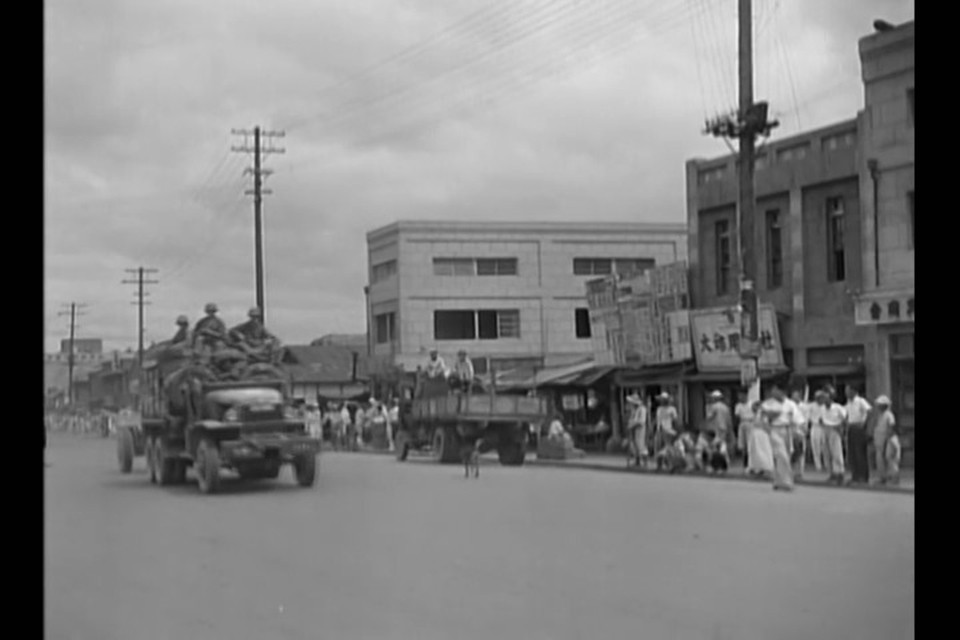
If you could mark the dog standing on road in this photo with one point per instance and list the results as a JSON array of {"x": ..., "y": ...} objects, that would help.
[{"x": 471, "y": 459}]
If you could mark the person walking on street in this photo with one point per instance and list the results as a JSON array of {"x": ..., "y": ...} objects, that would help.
[
  {"x": 637, "y": 429},
  {"x": 858, "y": 410},
  {"x": 779, "y": 413},
  {"x": 892, "y": 457},
  {"x": 667, "y": 421},
  {"x": 818, "y": 439},
  {"x": 798, "y": 455},
  {"x": 719, "y": 422},
  {"x": 743, "y": 417},
  {"x": 882, "y": 432},
  {"x": 831, "y": 416}
]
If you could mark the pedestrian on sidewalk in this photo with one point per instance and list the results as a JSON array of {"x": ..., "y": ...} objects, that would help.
[
  {"x": 858, "y": 410},
  {"x": 667, "y": 420},
  {"x": 831, "y": 417},
  {"x": 818, "y": 439},
  {"x": 883, "y": 431},
  {"x": 719, "y": 422},
  {"x": 892, "y": 457},
  {"x": 798, "y": 454},
  {"x": 637, "y": 429},
  {"x": 760, "y": 462},
  {"x": 743, "y": 417},
  {"x": 779, "y": 414}
]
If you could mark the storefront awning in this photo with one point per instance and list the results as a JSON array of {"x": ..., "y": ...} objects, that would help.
[{"x": 653, "y": 374}]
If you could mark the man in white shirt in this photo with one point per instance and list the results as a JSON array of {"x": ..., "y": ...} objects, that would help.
[
  {"x": 858, "y": 410},
  {"x": 831, "y": 417},
  {"x": 393, "y": 422},
  {"x": 637, "y": 428},
  {"x": 667, "y": 420},
  {"x": 436, "y": 367},
  {"x": 780, "y": 414},
  {"x": 463, "y": 371},
  {"x": 798, "y": 453}
]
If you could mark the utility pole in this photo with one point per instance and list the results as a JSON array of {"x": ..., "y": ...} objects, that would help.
[
  {"x": 140, "y": 294},
  {"x": 258, "y": 192},
  {"x": 746, "y": 124},
  {"x": 73, "y": 313}
]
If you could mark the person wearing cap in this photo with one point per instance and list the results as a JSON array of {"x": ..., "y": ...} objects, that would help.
[
  {"x": 882, "y": 432},
  {"x": 436, "y": 367},
  {"x": 858, "y": 410},
  {"x": 831, "y": 416},
  {"x": 637, "y": 428},
  {"x": 719, "y": 422},
  {"x": 183, "y": 332},
  {"x": 667, "y": 419},
  {"x": 210, "y": 331},
  {"x": 253, "y": 338}
]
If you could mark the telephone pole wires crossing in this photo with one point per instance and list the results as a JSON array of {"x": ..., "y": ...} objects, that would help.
[
  {"x": 141, "y": 281},
  {"x": 73, "y": 313}
]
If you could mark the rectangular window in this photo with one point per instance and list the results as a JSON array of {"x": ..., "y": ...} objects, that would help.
[
  {"x": 496, "y": 266},
  {"x": 717, "y": 174},
  {"x": 836, "y": 256},
  {"x": 592, "y": 266},
  {"x": 910, "y": 103},
  {"x": 633, "y": 265},
  {"x": 383, "y": 271},
  {"x": 840, "y": 141},
  {"x": 385, "y": 327},
  {"x": 724, "y": 257},
  {"x": 454, "y": 325},
  {"x": 774, "y": 250},
  {"x": 453, "y": 267},
  {"x": 582, "y": 322},
  {"x": 485, "y": 324},
  {"x": 796, "y": 152},
  {"x": 912, "y": 225}
]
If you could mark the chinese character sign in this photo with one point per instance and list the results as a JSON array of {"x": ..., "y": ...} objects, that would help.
[{"x": 716, "y": 339}]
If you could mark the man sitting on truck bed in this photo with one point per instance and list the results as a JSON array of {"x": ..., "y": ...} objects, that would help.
[
  {"x": 436, "y": 367},
  {"x": 210, "y": 331},
  {"x": 252, "y": 338},
  {"x": 462, "y": 377}
]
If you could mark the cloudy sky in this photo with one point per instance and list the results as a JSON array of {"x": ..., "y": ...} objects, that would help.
[{"x": 393, "y": 109}]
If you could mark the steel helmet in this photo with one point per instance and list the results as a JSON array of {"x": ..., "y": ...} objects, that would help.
[
  {"x": 210, "y": 308},
  {"x": 182, "y": 320},
  {"x": 254, "y": 313}
]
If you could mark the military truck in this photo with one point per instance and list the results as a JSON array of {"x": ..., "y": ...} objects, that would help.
[
  {"x": 191, "y": 417},
  {"x": 442, "y": 421}
]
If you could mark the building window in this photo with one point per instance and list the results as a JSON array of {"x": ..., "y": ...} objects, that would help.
[
  {"x": 383, "y": 271},
  {"x": 716, "y": 174},
  {"x": 836, "y": 258},
  {"x": 796, "y": 152},
  {"x": 582, "y": 321},
  {"x": 910, "y": 103},
  {"x": 385, "y": 327},
  {"x": 762, "y": 161},
  {"x": 840, "y": 141},
  {"x": 724, "y": 257},
  {"x": 453, "y": 267},
  {"x": 496, "y": 266},
  {"x": 607, "y": 266},
  {"x": 912, "y": 225},
  {"x": 774, "y": 250},
  {"x": 470, "y": 325}
]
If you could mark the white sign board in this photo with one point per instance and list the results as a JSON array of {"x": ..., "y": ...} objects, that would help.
[{"x": 716, "y": 339}]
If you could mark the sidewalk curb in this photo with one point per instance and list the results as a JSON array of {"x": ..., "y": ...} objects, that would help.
[{"x": 593, "y": 466}]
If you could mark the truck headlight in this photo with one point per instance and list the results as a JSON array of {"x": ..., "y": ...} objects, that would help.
[{"x": 231, "y": 415}]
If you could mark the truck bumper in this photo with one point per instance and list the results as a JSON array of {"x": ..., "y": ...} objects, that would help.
[{"x": 284, "y": 448}]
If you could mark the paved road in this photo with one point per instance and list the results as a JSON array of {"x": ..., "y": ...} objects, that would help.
[{"x": 386, "y": 550}]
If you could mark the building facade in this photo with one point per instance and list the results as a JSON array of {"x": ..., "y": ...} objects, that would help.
[
  {"x": 819, "y": 261},
  {"x": 512, "y": 294}
]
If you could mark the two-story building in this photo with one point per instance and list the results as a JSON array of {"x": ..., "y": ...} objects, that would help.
[
  {"x": 511, "y": 294},
  {"x": 843, "y": 293}
]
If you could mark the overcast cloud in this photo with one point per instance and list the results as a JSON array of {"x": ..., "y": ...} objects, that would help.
[{"x": 564, "y": 110}]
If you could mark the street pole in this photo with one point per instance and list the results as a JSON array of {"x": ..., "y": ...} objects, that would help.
[
  {"x": 71, "y": 359},
  {"x": 258, "y": 192},
  {"x": 141, "y": 303}
]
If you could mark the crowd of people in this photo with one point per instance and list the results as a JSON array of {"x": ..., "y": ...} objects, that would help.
[
  {"x": 81, "y": 421},
  {"x": 349, "y": 426},
  {"x": 775, "y": 437}
]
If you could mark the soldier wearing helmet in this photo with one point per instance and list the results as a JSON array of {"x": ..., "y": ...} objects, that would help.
[
  {"x": 253, "y": 338},
  {"x": 210, "y": 331},
  {"x": 183, "y": 332}
]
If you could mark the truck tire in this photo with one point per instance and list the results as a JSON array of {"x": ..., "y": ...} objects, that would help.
[
  {"x": 305, "y": 469},
  {"x": 511, "y": 453},
  {"x": 179, "y": 472},
  {"x": 207, "y": 466},
  {"x": 148, "y": 454},
  {"x": 402, "y": 446},
  {"x": 446, "y": 445},
  {"x": 164, "y": 466},
  {"x": 125, "y": 450}
]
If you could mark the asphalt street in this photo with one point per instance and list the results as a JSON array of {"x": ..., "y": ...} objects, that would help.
[{"x": 381, "y": 549}]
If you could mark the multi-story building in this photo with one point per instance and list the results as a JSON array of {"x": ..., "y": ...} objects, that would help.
[
  {"x": 843, "y": 294},
  {"x": 512, "y": 294}
]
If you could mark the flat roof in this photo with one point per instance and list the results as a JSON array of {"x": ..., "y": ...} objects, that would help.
[{"x": 448, "y": 226}]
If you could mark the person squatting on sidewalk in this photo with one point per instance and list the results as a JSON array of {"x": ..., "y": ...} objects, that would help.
[
  {"x": 858, "y": 410},
  {"x": 831, "y": 417}
]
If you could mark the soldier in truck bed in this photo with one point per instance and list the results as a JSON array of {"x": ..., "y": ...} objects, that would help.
[
  {"x": 253, "y": 338},
  {"x": 210, "y": 331}
]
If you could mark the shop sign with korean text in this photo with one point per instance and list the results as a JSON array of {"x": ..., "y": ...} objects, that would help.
[{"x": 716, "y": 339}]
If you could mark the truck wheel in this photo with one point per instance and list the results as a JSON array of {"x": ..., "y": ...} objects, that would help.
[
  {"x": 511, "y": 454},
  {"x": 305, "y": 469},
  {"x": 446, "y": 445},
  {"x": 207, "y": 465},
  {"x": 125, "y": 451},
  {"x": 164, "y": 467},
  {"x": 402, "y": 446},
  {"x": 148, "y": 453},
  {"x": 179, "y": 471}
]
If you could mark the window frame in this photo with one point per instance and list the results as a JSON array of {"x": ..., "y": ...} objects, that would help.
[
  {"x": 581, "y": 320},
  {"x": 387, "y": 333},
  {"x": 454, "y": 263},
  {"x": 774, "y": 230},
  {"x": 501, "y": 267},
  {"x": 377, "y": 271},
  {"x": 480, "y": 324},
  {"x": 836, "y": 268}
]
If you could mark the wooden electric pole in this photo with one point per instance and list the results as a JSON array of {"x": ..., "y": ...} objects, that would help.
[
  {"x": 71, "y": 358},
  {"x": 140, "y": 282},
  {"x": 749, "y": 122},
  {"x": 258, "y": 192}
]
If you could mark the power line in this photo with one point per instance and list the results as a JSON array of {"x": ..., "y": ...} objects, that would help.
[
  {"x": 71, "y": 357},
  {"x": 141, "y": 281}
]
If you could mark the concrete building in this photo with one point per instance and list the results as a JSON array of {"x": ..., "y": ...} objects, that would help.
[
  {"x": 815, "y": 245},
  {"x": 512, "y": 294}
]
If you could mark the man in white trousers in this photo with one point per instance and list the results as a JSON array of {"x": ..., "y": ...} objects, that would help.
[
  {"x": 780, "y": 414},
  {"x": 831, "y": 416}
]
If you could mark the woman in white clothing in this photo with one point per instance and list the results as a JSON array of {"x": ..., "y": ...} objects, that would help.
[{"x": 759, "y": 449}]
